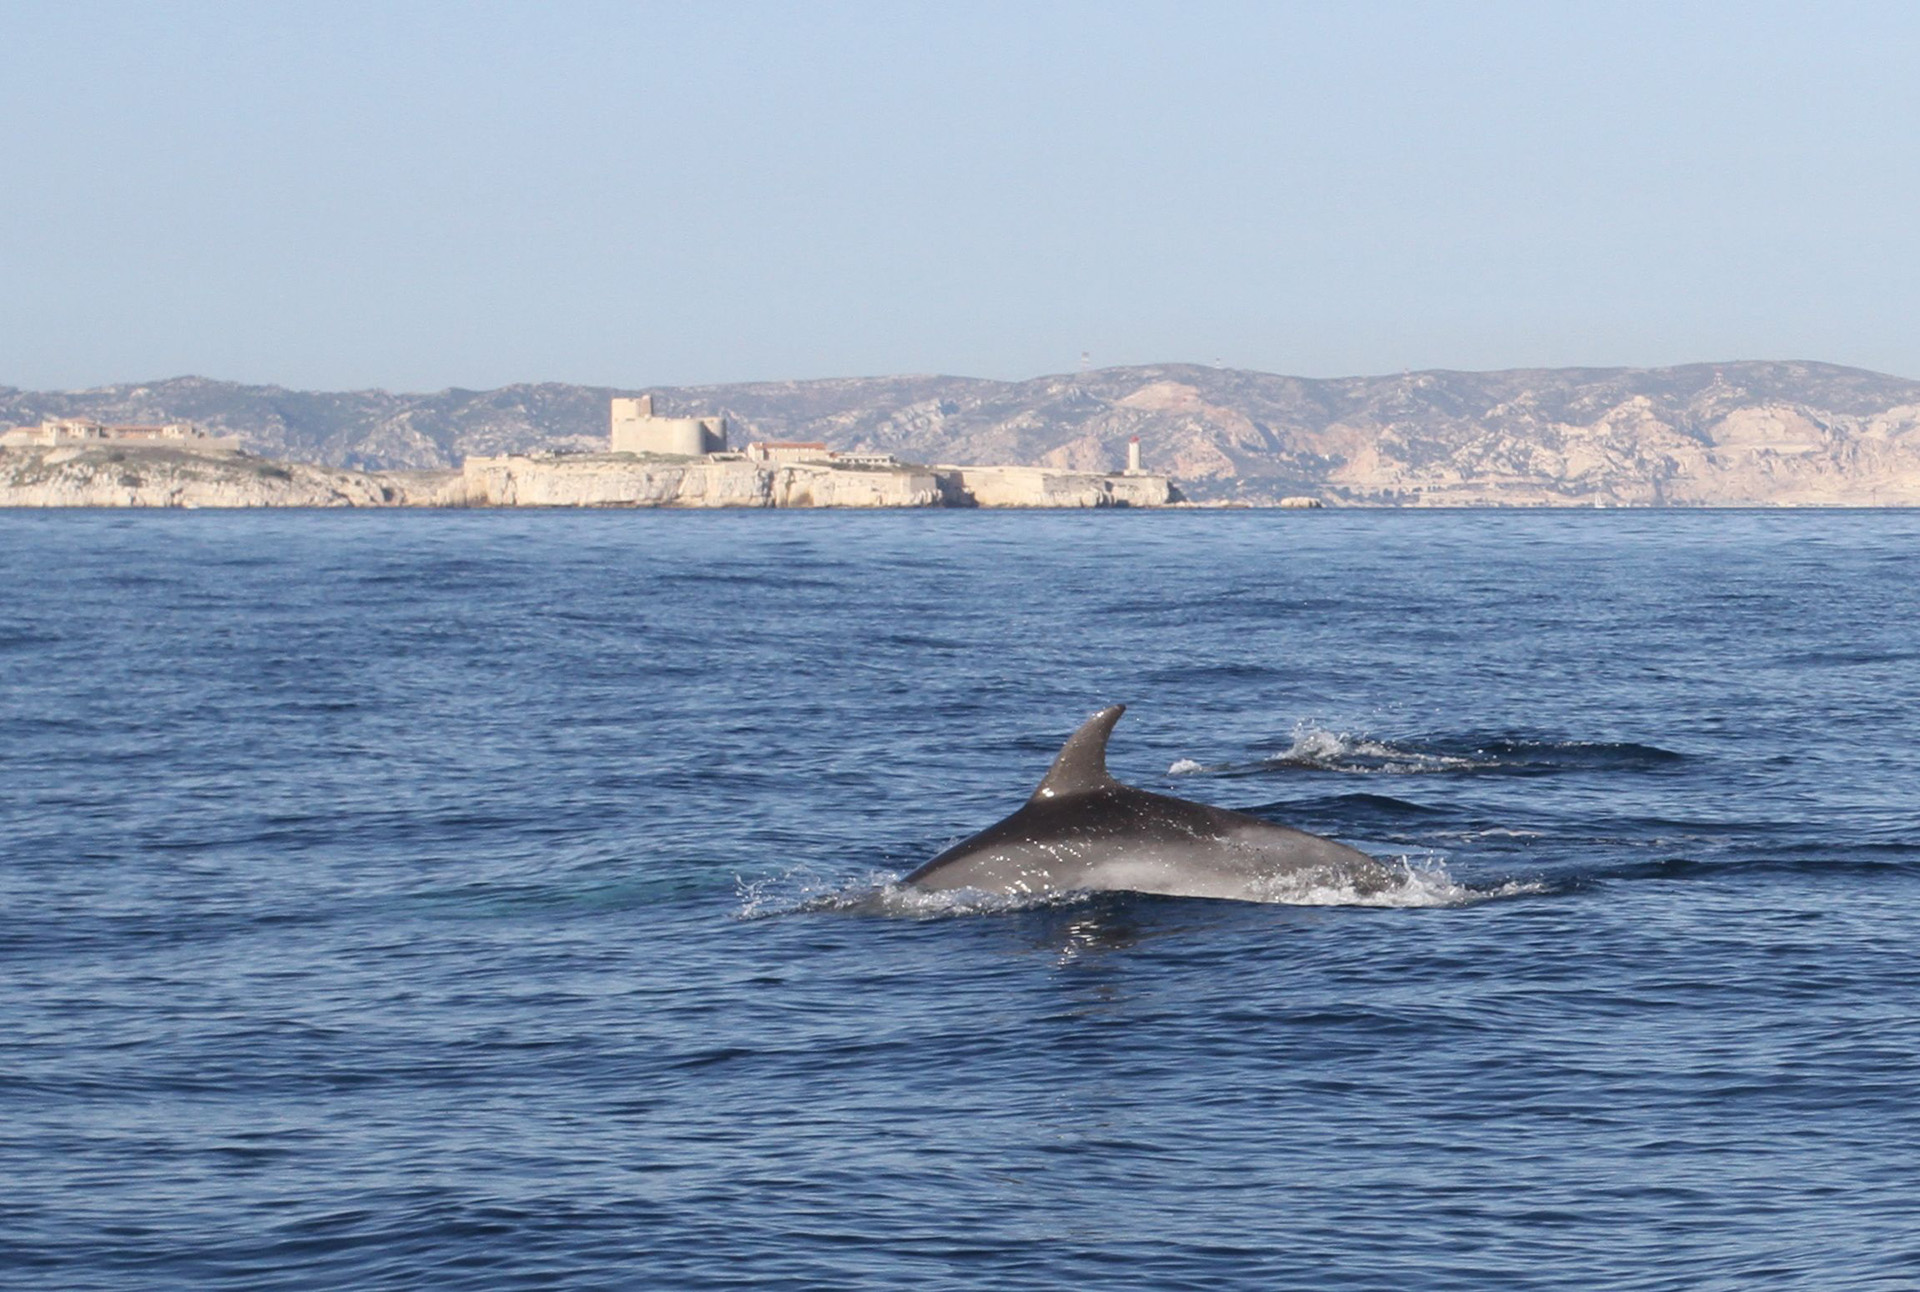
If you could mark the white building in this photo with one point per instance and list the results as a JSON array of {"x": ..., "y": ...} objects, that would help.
[
  {"x": 784, "y": 451},
  {"x": 67, "y": 431}
]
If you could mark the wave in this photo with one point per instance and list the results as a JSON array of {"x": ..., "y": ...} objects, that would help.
[
  {"x": 1893, "y": 863},
  {"x": 1319, "y": 749},
  {"x": 780, "y": 578},
  {"x": 1190, "y": 673},
  {"x": 1418, "y": 882},
  {"x": 1568, "y": 755},
  {"x": 1338, "y": 751}
]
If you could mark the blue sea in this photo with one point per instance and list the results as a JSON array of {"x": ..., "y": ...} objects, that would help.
[{"x": 505, "y": 900}]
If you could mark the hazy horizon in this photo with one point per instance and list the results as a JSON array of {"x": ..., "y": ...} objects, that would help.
[
  {"x": 359, "y": 196},
  {"x": 429, "y": 389}
]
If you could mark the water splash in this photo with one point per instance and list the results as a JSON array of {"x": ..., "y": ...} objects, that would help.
[
  {"x": 1322, "y": 749},
  {"x": 801, "y": 891},
  {"x": 800, "y": 888},
  {"x": 1319, "y": 749},
  {"x": 1416, "y": 882}
]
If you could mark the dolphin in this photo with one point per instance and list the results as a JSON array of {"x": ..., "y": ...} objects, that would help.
[{"x": 1084, "y": 831}]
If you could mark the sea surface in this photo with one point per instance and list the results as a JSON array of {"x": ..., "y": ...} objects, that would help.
[{"x": 505, "y": 900}]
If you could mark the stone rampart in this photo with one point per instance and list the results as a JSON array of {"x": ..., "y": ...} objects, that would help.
[
  {"x": 119, "y": 475},
  {"x": 996, "y": 486},
  {"x": 624, "y": 480}
]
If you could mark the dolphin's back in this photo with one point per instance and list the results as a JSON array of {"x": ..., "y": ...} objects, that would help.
[{"x": 1082, "y": 830}]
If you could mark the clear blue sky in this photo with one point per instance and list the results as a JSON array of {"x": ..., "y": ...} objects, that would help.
[{"x": 421, "y": 195}]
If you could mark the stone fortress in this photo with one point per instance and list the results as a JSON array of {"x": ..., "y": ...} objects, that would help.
[
  {"x": 636, "y": 429},
  {"x": 654, "y": 460}
]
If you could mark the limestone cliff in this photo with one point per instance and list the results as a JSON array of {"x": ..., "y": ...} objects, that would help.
[
  {"x": 648, "y": 480},
  {"x": 145, "y": 476},
  {"x": 1001, "y": 486},
  {"x": 127, "y": 476},
  {"x": 639, "y": 480}
]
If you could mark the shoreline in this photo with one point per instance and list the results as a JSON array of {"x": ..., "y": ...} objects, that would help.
[
  {"x": 118, "y": 475},
  {"x": 139, "y": 477}
]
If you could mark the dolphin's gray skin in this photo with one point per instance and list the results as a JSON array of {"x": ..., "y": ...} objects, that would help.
[{"x": 1082, "y": 830}]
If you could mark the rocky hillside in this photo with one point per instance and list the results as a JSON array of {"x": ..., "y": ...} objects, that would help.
[
  {"x": 153, "y": 476},
  {"x": 1703, "y": 434}
]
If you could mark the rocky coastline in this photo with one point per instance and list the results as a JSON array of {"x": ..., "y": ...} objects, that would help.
[
  {"x": 1737, "y": 434},
  {"x": 1747, "y": 434},
  {"x": 144, "y": 476},
  {"x": 120, "y": 475}
]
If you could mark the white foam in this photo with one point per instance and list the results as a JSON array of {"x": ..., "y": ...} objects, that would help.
[
  {"x": 799, "y": 891},
  {"x": 1415, "y": 883},
  {"x": 1185, "y": 767},
  {"x": 1339, "y": 751},
  {"x": 795, "y": 889}
]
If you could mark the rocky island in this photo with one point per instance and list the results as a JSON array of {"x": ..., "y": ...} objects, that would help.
[
  {"x": 652, "y": 463},
  {"x": 638, "y": 480},
  {"x": 146, "y": 475}
]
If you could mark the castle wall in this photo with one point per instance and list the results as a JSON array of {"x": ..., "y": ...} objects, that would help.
[
  {"x": 997, "y": 486},
  {"x": 615, "y": 481},
  {"x": 635, "y": 429},
  {"x": 67, "y": 432}
]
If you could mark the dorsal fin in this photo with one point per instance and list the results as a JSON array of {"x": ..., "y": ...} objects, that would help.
[{"x": 1081, "y": 767}]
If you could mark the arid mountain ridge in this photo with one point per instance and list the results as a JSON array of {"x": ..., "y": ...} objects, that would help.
[{"x": 1742, "y": 433}]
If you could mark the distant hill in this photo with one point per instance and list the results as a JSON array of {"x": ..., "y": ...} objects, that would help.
[{"x": 1701, "y": 434}]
